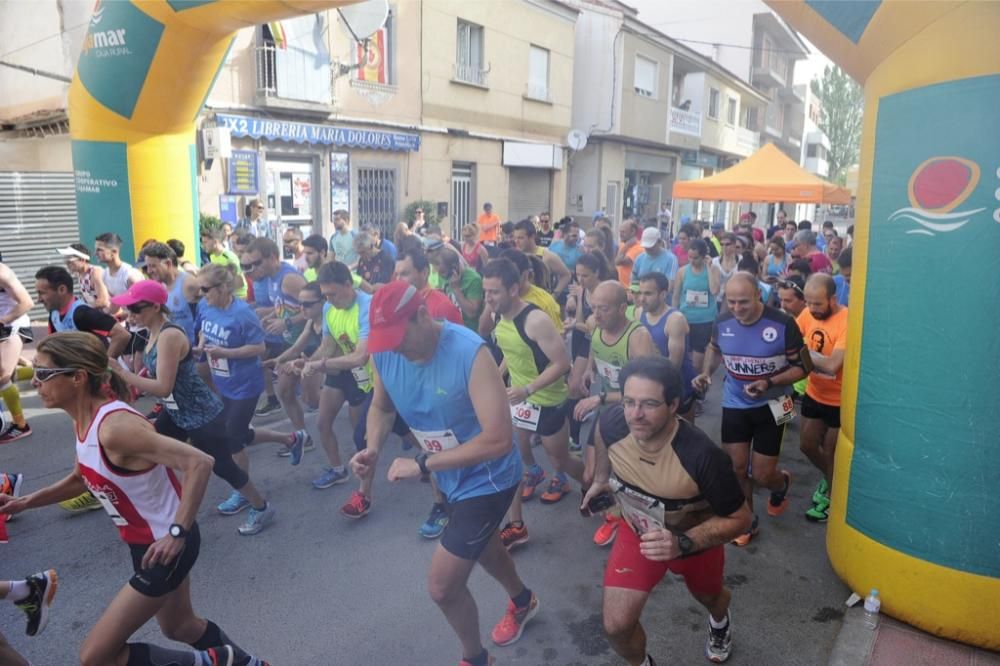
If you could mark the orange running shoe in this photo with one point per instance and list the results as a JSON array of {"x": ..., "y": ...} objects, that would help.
[
  {"x": 606, "y": 533},
  {"x": 745, "y": 538},
  {"x": 357, "y": 507},
  {"x": 513, "y": 535},
  {"x": 510, "y": 627},
  {"x": 779, "y": 500}
]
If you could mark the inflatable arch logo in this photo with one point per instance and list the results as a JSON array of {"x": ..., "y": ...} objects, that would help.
[{"x": 936, "y": 188}]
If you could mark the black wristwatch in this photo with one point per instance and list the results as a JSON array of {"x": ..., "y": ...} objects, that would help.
[
  {"x": 604, "y": 397},
  {"x": 770, "y": 384},
  {"x": 177, "y": 531},
  {"x": 685, "y": 544},
  {"x": 421, "y": 459}
]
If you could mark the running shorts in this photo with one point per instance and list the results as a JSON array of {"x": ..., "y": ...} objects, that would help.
[
  {"x": 164, "y": 578},
  {"x": 473, "y": 522},
  {"x": 552, "y": 419},
  {"x": 755, "y": 425},
  {"x": 344, "y": 382},
  {"x": 700, "y": 336},
  {"x": 628, "y": 567},
  {"x": 828, "y": 414}
]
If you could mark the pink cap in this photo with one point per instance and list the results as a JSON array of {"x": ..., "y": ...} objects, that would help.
[{"x": 145, "y": 291}]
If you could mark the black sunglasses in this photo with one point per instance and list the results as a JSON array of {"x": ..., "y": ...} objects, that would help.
[
  {"x": 309, "y": 304},
  {"x": 136, "y": 308},
  {"x": 788, "y": 284},
  {"x": 252, "y": 265}
]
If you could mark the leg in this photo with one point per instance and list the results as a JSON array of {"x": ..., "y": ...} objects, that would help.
[
  {"x": 765, "y": 472},
  {"x": 127, "y": 612},
  {"x": 812, "y": 433},
  {"x": 830, "y": 452},
  {"x": 9, "y": 656},
  {"x": 446, "y": 582},
  {"x": 330, "y": 402},
  {"x": 497, "y": 562},
  {"x": 622, "y": 609},
  {"x": 10, "y": 352},
  {"x": 739, "y": 453},
  {"x": 524, "y": 447},
  {"x": 310, "y": 387},
  {"x": 178, "y": 622},
  {"x": 289, "y": 401},
  {"x": 557, "y": 446},
  {"x": 264, "y": 435},
  {"x": 717, "y": 604}
]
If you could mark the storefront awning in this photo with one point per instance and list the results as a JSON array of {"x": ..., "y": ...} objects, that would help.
[{"x": 331, "y": 135}]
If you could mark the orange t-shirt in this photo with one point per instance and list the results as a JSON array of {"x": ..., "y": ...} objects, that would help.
[
  {"x": 824, "y": 336},
  {"x": 488, "y": 235},
  {"x": 625, "y": 272}
]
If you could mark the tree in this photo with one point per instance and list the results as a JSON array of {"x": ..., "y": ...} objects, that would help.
[{"x": 840, "y": 120}]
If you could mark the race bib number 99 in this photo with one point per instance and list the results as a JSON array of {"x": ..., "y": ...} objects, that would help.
[{"x": 435, "y": 441}]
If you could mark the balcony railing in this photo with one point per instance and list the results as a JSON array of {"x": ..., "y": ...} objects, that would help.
[
  {"x": 471, "y": 74},
  {"x": 267, "y": 71},
  {"x": 293, "y": 74},
  {"x": 685, "y": 122},
  {"x": 747, "y": 139}
]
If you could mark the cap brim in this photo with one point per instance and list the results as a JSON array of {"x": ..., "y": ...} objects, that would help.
[
  {"x": 386, "y": 337},
  {"x": 125, "y": 299},
  {"x": 647, "y": 245}
]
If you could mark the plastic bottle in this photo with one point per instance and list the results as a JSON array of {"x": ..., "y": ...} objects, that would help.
[{"x": 872, "y": 605}]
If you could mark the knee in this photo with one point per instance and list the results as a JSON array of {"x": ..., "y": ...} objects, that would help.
[
  {"x": 94, "y": 655},
  {"x": 619, "y": 628},
  {"x": 442, "y": 592}
]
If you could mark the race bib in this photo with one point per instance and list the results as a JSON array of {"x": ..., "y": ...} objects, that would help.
[
  {"x": 525, "y": 416},
  {"x": 607, "y": 372},
  {"x": 696, "y": 299},
  {"x": 435, "y": 441},
  {"x": 782, "y": 409},
  {"x": 170, "y": 403},
  {"x": 105, "y": 501},
  {"x": 642, "y": 515},
  {"x": 219, "y": 366},
  {"x": 360, "y": 375}
]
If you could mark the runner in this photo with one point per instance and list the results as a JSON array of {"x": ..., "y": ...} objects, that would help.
[
  {"x": 178, "y": 248},
  {"x": 535, "y": 356},
  {"x": 15, "y": 330},
  {"x": 472, "y": 250},
  {"x": 792, "y": 299},
  {"x": 54, "y": 286},
  {"x": 342, "y": 240},
  {"x": 764, "y": 353},
  {"x": 191, "y": 410},
  {"x": 680, "y": 500},
  {"x": 440, "y": 378},
  {"x": 628, "y": 250},
  {"x": 616, "y": 340},
  {"x": 120, "y": 275},
  {"x": 33, "y": 596},
  {"x": 291, "y": 245},
  {"x": 463, "y": 286},
  {"x": 590, "y": 272},
  {"x": 182, "y": 287},
  {"x": 315, "y": 251},
  {"x": 546, "y": 234},
  {"x": 91, "y": 278},
  {"x": 558, "y": 277},
  {"x": 669, "y": 330},
  {"x": 567, "y": 248},
  {"x": 655, "y": 258},
  {"x": 695, "y": 290},
  {"x": 824, "y": 326},
  {"x": 118, "y": 450},
  {"x": 213, "y": 244},
  {"x": 375, "y": 266}
]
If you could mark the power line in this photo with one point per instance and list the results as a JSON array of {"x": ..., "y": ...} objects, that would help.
[
  {"x": 43, "y": 39},
  {"x": 733, "y": 46}
]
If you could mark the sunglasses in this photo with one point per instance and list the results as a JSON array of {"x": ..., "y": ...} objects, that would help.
[
  {"x": 309, "y": 304},
  {"x": 45, "y": 374},
  {"x": 136, "y": 308},
  {"x": 205, "y": 290},
  {"x": 252, "y": 265},
  {"x": 788, "y": 284}
]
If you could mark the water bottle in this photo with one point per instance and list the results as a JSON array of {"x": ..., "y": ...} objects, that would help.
[{"x": 872, "y": 606}]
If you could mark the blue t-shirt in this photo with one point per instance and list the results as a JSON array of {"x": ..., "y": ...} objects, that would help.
[
  {"x": 390, "y": 248},
  {"x": 843, "y": 289},
  {"x": 569, "y": 255},
  {"x": 234, "y": 326},
  {"x": 434, "y": 397},
  {"x": 753, "y": 352},
  {"x": 665, "y": 262},
  {"x": 343, "y": 246},
  {"x": 180, "y": 309}
]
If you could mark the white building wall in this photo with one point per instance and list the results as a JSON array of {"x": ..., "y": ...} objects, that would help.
[{"x": 597, "y": 78}]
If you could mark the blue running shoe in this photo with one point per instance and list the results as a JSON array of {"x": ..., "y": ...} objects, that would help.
[
  {"x": 297, "y": 446},
  {"x": 330, "y": 478},
  {"x": 435, "y": 523},
  {"x": 234, "y": 504},
  {"x": 257, "y": 520}
]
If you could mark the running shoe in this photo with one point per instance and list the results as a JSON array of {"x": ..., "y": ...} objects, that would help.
[
  {"x": 357, "y": 507},
  {"x": 154, "y": 413},
  {"x": 510, "y": 627},
  {"x": 820, "y": 511},
  {"x": 310, "y": 409},
  {"x": 745, "y": 538},
  {"x": 779, "y": 500},
  {"x": 296, "y": 448},
  {"x": 331, "y": 477},
  {"x": 490, "y": 661},
  {"x": 435, "y": 523},
  {"x": 575, "y": 446},
  {"x": 532, "y": 479},
  {"x": 234, "y": 504},
  {"x": 217, "y": 656},
  {"x": 42, "y": 588},
  {"x": 15, "y": 432},
  {"x": 283, "y": 451},
  {"x": 606, "y": 533},
  {"x": 81, "y": 503},
  {"x": 720, "y": 641},
  {"x": 513, "y": 535},
  {"x": 270, "y": 406},
  {"x": 10, "y": 484},
  {"x": 822, "y": 490},
  {"x": 558, "y": 488},
  {"x": 257, "y": 520}
]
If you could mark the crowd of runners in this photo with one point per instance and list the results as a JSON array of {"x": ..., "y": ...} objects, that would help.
[{"x": 519, "y": 361}]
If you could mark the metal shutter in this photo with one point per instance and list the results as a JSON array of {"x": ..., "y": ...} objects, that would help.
[
  {"x": 37, "y": 215},
  {"x": 530, "y": 193}
]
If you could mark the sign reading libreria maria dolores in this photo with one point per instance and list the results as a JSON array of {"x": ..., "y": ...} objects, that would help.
[{"x": 286, "y": 130}]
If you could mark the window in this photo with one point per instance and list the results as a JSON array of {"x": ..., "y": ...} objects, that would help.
[
  {"x": 469, "y": 55},
  {"x": 713, "y": 103},
  {"x": 646, "y": 74},
  {"x": 538, "y": 73},
  {"x": 816, "y": 150},
  {"x": 731, "y": 111}
]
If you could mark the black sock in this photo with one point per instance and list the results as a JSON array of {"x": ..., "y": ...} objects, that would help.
[
  {"x": 481, "y": 660},
  {"x": 145, "y": 654},
  {"x": 215, "y": 637},
  {"x": 523, "y": 599}
]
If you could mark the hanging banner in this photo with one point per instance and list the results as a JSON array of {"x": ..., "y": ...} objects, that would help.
[
  {"x": 373, "y": 56},
  {"x": 340, "y": 181}
]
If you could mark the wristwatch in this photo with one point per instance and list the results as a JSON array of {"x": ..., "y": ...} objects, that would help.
[
  {"x": 604, "y": 397},
  {"x": 421, "y": 459},
  {"x": 177, "y": 531},
  {"x": 685, "y": 544},
  {"x": 770, "y": 384}
]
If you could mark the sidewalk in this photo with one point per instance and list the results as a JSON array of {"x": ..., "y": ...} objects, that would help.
[{"x": 896, "y": 644}]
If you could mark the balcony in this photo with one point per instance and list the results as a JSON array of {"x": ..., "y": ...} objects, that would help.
[
  {"x": 747, "y": 140},
  {"x": 471, "y": 75},
  {"x": 769, "y": 72},
  {"x": 817, "y": 166},
  {"x": 293, "y": 79},
  {"x": 685, "y": 122}
]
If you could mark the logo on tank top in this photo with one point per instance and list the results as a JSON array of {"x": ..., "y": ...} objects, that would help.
[{"x": 770, "y": 334}]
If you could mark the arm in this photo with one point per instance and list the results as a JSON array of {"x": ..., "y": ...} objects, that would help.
[
  {"x": 714, "y": 279},
  {"x": 246, "y": 351},
  {"x": 678, "y": 286},
  {"x": 355, "y": 359},
  {"x": 191, "y": 292},
  {"x": 66, "y": 488},
  {"x": 134, "y": 275},
  {"x": 677, "y": 330},
  {"x": 829, "y": 364},
  {"x": 484, "y": 256},
  {"x": 14, "y": 287},
  {"x": 713, "y": 357},
  {"x": 171, "y": 347},
  {"x": 602, "y": 469},
  {"x": 558, "y": 269},
  {"x": 540, "y": 329},
  {"x": 486, "y": 323},
  {"x": 621, "y": 258},
  {"x": 100, "y": 290},
  {"x": 118, "y": 339},
  {"x": 469, "y": 306},
  {"x": 720, "y": 529}
]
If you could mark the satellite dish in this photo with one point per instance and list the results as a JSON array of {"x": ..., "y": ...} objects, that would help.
[
  {"x": 577, "y": 139},
  {"x": 365, "y": 18}
]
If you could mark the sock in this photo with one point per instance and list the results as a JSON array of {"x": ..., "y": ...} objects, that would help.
[
  {"x": 481, "y": 660},
  {"x": 718, "y": 625},
  {"x": 19, "y": 589},
  {"x": 214, "y": 637},
  {"x": 338, "y": 468},
  {"x": 562, "y": 477},
  {"x": 523, "y": 599},
  {"x": 146, "y": 654},
  {"x": 12, "y": 397},
  {"x": 255, "y": 508}
]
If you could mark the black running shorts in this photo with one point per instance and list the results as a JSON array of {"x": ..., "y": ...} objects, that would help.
[
  {"x": 164, "y": 578},
  {"x": 344, "y": 382},
  {"x": 552, "y": 419},
  {"x": 474, "y": 521},
  {"x": 700, "y": 336},
  {"x": 828, "y": 414},
  {"x": 755, "y": 425}
]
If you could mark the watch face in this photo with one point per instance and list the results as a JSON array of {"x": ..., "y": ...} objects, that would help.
[{"x": 175, "y": 530}]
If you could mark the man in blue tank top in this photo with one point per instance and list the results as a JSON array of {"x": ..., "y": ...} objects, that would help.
[
  {"x": 442, "y": 380},
  {"x": 764, "y": 355},
  {"x": 54, "y": 286},
  {"x": 182, "y": 291}
]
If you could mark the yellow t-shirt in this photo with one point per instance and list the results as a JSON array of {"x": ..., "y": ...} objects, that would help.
[{"x": 541, "y": 299}]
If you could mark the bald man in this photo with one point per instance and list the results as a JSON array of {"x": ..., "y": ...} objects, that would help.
[
  {"x": 616, "y": 341},
  {"x": 764, "y": 354},
  {"x": 823, "y": 323}
]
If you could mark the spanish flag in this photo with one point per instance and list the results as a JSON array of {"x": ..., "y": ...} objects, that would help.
[
  {"x": 372, "y": 56},
  {"x": 278, "y": 34}
]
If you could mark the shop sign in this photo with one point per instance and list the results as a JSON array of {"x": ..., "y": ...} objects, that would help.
[{"x": 331, "y": 135}]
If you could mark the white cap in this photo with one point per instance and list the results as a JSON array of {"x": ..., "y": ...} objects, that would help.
[
  {"x": 650, "y": 237},
  {"x": 72, "y": 252}
]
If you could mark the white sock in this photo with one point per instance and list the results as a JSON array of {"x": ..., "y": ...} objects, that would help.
[
  {"x": 18, "y": 590},
  {"x": 718, "y": 625}
]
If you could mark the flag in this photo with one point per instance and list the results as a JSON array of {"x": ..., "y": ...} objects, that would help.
[
  {"x": 278, "y": 34},
  {"x": 372, "y": 56}
]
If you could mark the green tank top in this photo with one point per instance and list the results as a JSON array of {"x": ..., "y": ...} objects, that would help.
[
  {"x": 526, "y": 360},
  {"x": 345, "y": 328},
  {"x": 610, "y": 359}
]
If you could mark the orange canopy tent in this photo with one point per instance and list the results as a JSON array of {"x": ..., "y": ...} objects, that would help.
[{"x": 768, "y": 176}]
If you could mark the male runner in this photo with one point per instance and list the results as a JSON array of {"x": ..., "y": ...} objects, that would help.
[
  {"x": 120, "y": 275},
  {"x": 445, "y": 384},
  {"x": 764, "y": 353},
  {"x": 824, "y": 326},
  {"x": 182, "y": 288},
  {"x": 678, "y": 496},
  {"x": 559, "y": 276},
  {"x": 54, "y": 285}
]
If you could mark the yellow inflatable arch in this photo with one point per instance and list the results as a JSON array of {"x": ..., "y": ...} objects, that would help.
[
  {"x": 916, "y": 500},
  {"x": 142, "y": 78}
]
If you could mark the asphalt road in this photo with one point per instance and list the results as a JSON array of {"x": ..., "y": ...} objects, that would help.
[{"x": 316, "y": 588}]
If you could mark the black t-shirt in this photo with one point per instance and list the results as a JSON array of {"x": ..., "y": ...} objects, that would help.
[
  {"x": 377, "y": 270},
  {"x": 544, "y": 238}
]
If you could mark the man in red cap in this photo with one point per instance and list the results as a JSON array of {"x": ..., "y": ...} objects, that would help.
[{"x": 442, "y": 380}]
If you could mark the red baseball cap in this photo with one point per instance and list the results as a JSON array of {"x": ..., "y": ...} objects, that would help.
[
  {"x": 144, "y": 291},
  {"x": 389, "y": 313}
]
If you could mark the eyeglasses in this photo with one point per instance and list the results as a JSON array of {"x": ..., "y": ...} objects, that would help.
[
  {"x": 646, "y": 405},
  {"x": 725, "y": 243},
  {"x": 788, "y": 284},
  {"x": 136, "y": 308},
  {"x": 309, "y": 304},
  {"x": 207, "y": 289},
  {"x": 45, "y": 374},
  {"x": 252, "y": 265}
]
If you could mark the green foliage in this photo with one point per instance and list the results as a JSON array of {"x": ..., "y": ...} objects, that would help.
[
  {"x": 430, "y": 211},
  {"x": 843, "y": 106},
  {"x": 209, "y": 222}
]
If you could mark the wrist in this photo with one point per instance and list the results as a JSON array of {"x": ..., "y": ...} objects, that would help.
[
  {"x": 770, "y": 382},
  {"x": 421, "y": 460}
]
